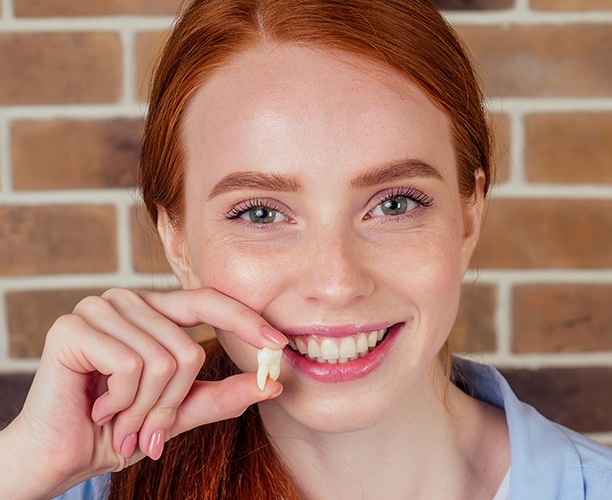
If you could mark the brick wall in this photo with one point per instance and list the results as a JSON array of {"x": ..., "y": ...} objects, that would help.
[{"x": 72, "y": 77}]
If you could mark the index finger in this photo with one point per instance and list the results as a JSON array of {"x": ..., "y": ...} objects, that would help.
[{"x": 188, "y": 308}]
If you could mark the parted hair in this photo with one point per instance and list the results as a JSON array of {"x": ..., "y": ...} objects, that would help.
[{"x": 234, "y": 459}]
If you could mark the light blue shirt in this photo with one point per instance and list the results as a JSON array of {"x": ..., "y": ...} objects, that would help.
[{"x": 548, "y": 461}]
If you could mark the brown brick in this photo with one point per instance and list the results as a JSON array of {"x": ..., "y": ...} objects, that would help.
[
  {"x": 148, "y": 48},
  {"x": 562, "y": 317},
  {"x": 474, "y": 4},
  {"x": 532, "y": 233},
  {"x": 501, "y": 152},
  {"x": 147, "y": 252},
  {"x": 579, "y": 398},
  {"x": 474, "y": 329},
  {"x": 70, "y": 8},
  {"x": 65, "y": 154},
  {"x": 571, "y": 5},
  {"x": 13, "y": 390},
  {"x": 57, "y": 68},
  {"x": 566, "y": 60},
  {"x": 57, "y": 239},
  {"x": 569, "y": 147},
  {"x": 31, "y": 313}
]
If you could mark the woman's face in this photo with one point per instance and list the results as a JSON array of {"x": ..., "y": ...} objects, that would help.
[{"x": 321, "y": 191}]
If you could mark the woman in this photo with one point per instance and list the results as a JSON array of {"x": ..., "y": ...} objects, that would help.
[{"x": 315, "y": 168}]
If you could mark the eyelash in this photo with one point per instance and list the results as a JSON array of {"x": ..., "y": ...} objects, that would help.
[
  {"x": 419, "y": 197},
  {"x": 247, "y": 205},
  {"x": 412, "y": 194}
]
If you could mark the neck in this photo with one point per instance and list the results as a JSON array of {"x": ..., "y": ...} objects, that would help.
[{"x": 436, "y": 443}]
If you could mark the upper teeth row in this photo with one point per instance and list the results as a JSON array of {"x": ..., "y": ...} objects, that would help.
[{"x": 337, "y": 350}]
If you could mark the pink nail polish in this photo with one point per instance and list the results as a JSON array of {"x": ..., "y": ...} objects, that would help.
[
  {"x": 274, "y": 335},
  {"x": 156, "y": 444},
  {"x": 128, "y": 447}
]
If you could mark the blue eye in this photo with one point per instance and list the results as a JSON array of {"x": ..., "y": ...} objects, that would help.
[
  {"x": 257, "y": 211},
  {"x": 397, "y": 205},
  {"x": 400, "y": 201},
  {"x": 262, "y": 215}
]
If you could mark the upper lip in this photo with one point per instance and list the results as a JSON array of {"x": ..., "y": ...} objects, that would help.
[{"x": 335, "y": 331}]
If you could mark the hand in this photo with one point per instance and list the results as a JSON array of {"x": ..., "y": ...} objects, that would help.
[{"x": 116, "y": 380}]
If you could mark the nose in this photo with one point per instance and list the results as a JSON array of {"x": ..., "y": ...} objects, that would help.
[{"x": 335, "y": 269}]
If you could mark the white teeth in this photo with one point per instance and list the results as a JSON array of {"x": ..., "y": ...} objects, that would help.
[
  {"x": 301, "y": 346},
  {"x": 372, "y": 339},
  {"x": 348, "y": 349},
  {"x": 362, "y": 343},
  {"x": 332, "y": 350},
  {"x": 329, "y": 349},
  {"x": 269, "y": 362},
  {"x": 314, "y": 351}
]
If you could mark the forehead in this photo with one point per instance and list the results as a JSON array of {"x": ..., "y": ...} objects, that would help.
[{"x": 291, "y": 107}]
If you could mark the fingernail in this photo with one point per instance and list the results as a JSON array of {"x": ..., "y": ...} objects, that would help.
[
  {"x": 156, "y": 444},
  {"x": 105, "y": 420},
  {"x": 274, "y": 335},
  {"x": 128, "y": 447}
]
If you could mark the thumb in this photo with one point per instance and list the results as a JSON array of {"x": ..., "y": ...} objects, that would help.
[{"x": 209, "y": 402}]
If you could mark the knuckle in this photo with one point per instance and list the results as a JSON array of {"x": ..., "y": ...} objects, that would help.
[
  {"x": 118, "y": 294},
  {"x": 163, "y": 365},
  {"x": 131, "y": 364},
  {"x": 89, "y": 304},
  {"x": 193, "y": 355}
]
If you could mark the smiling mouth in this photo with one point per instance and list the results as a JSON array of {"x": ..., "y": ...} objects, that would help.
[{"x": 337, "y": 350}]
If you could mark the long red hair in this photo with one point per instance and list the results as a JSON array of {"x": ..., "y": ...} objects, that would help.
[{"x": 234, "y": 459}]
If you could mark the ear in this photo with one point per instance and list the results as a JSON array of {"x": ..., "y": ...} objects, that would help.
[
  {"x": 472, "y": 220},
  {"x": 175, "y": 247}
]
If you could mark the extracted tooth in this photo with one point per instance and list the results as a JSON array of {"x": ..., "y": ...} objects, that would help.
[{"x": 268, "y": 361}]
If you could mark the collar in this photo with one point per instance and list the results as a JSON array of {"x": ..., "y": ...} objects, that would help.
[{"x": 544, "y": 460}]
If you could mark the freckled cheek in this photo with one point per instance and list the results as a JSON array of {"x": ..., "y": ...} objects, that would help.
[{"x": 251, "y": 277}]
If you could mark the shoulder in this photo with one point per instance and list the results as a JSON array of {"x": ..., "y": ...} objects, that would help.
[
  {"x": 95, "y": 488},
  {"x": 547, "y": 459},
  {"x": 596, "y": 464}
]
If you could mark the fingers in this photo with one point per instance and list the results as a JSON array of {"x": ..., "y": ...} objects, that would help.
[
  {"x": 168, "y": 360},
  {"x": 209, "y": 402},
  {"x": 162, "y": 362},
  {"x": 195, "y": 307}
]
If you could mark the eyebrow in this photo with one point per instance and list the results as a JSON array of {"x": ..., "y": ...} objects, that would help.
[
  {"x": 285, "y": 183},
  {"x": 398, "y": 170},
  {"x": 255, "y": 180}
]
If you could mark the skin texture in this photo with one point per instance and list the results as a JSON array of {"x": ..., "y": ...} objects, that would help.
[{"x": 331, "y": 257}]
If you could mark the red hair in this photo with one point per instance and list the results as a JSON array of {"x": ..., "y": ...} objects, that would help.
[{"x": 234, "y": 459}]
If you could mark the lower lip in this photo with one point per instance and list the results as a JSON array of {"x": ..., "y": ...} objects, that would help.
[{"x": 344, "y": 372}]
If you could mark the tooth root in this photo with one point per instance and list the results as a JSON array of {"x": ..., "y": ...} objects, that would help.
[
  {"x": 329, "y": 349},
  {"x": 262, "y": 375},
  {"x": 274, "y": 371},
  {"x": 314, "y": 351}
]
